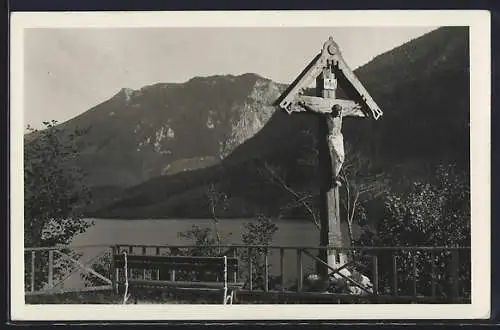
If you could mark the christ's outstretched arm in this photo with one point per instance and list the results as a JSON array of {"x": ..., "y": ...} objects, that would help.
[{"x": 328, "y": 106}]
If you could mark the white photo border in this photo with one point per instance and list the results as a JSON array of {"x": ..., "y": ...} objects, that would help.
[{"x": 480, "y": 73}]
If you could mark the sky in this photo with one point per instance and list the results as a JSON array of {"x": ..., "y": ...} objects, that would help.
[{"x": 69, "y": 70}]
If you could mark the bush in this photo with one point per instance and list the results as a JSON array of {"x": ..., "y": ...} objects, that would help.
[
  {"x": 432, "y": 213},
  {"x": 260, "y": 233}
]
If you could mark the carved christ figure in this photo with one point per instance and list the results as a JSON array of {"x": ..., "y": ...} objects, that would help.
[
  {"x": 334, "y": 110},
  {"x": 329, "y": 60}
]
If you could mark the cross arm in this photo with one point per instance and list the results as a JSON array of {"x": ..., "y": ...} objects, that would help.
[{"x": 325, "y": 106}]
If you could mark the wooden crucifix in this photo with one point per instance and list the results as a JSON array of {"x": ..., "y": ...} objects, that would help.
[{"x": 330, "y": 70}]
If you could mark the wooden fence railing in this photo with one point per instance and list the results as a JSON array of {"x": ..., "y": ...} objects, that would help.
[
  {"x": 407, "y": 273},
  {"x": 47, "y": 269}
]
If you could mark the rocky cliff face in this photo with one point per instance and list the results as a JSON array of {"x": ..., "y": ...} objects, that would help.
[{"x": 253, "y": 115}]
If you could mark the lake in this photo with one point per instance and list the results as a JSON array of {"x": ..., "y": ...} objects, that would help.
[{"x": 165, "y": 232}]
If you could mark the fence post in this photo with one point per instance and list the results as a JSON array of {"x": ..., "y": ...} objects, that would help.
[
  {"x": 144, "y": 270},
  {"x": 395, "y": 273},
  {"x": 235, "y": 273},
  {"x": 175, "y": 252},
  {"x": 33, "y": 271},
  {"x": 158, "y": 270},
  {"x": 131, "y": 272},
  {"x": 282, "y": 268},
  {"x": 250, "y": 270},
  {"x": 266, "y": 272},
  {"x": 415, "y": 273},
  {"x": 375, "y": 274},
  {"x": 114, "y": 270},
  {"x": 51, "y": 269},
  {"x": 455, "y": 275},
  {"x": 299, "y": 270},
  {"x": 433, "y": 273}
]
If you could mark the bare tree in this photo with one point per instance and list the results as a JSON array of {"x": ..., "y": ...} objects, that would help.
[
  {"x": 217, "y": 201},
  {"x": 358, "y": 183},
  {"x": 301, "y": 198}
]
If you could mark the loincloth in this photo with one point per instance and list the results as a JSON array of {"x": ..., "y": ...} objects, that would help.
[{"x": 336, "y": 146}]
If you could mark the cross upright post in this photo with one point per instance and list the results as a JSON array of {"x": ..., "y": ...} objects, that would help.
[
  {"x": 329, "y": 69},
  {"x": 331, "y": 230}
]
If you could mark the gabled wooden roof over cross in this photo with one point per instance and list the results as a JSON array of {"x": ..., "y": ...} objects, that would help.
[{"x": 330, "y": 57}]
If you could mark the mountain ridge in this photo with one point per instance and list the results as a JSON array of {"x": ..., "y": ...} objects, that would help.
[
  {"x": 151, "y": 151},
  {"x": 419, "y": 143}
]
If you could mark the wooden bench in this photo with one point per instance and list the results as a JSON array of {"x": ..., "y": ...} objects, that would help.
[{"x": 216, "y": 268}]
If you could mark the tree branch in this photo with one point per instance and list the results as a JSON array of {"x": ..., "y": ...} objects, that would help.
[{"x": 276, "y": 179}]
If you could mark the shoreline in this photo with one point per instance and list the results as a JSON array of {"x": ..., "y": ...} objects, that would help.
[{"x": 192, "y": 218}]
